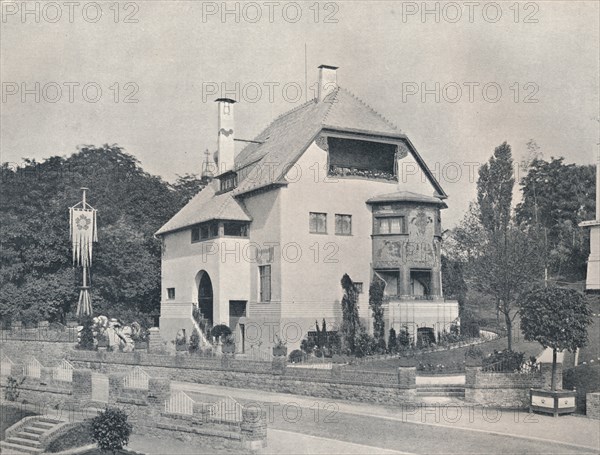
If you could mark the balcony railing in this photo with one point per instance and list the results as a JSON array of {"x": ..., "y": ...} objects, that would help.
[{"x": 409, "y": 297}]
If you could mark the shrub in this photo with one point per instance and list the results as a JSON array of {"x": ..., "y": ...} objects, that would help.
[
  {"x": 505, "y": 361},
  {"x": 469, "y": 327},
  {"x": 392, "y": 341},
  {"x": 403, "y": 339},
  {"x": 86, "y": 336},
  {"x": 12, "y": 392},
  {"x": 296, "y": 356},
  {"x": 111, "y": 430},
  {"x": 194, "y": 342},
  {"x": 365, "y": 344},
  {"x": 220, "y": 332},
  {"x": 473, "y": 352}
]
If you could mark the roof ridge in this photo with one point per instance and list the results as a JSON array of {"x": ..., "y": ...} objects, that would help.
[
  {"x": 389, "y": 123},
  {"x": 284, "y": 114},
  {"x": 334, "y": 97}
]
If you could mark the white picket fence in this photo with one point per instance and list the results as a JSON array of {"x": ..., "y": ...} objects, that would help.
[
  {"x": 137, "y": 379},
  {"x": 63, "y": 372},
  {"x": 33, "y": 368},
  {"x": 259, "y": 355},
  {"x": 6, "y": 366},
  {"x": 226, "y": 410},
  {"x": 180, "y": 403}
]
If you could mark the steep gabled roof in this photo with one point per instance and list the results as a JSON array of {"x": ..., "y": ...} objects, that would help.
[
  {"x": 205, "y": 206},
  {"x": 265, "y": 161}
]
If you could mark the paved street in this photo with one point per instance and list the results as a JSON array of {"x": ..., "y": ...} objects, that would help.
[{"x": 299, "y": 424}]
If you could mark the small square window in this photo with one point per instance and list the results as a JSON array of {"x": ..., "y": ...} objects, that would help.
[
  {"x": 343, "y": 224},
  {"x": 317, "y": 223},
  {"x": 170, "y": 293},
  {"x": 358, "y": 286}
]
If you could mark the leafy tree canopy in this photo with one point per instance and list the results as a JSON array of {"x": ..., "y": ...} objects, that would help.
[
  {"x": 555, "y": 317},
  {"x": 37, "y": 279}
]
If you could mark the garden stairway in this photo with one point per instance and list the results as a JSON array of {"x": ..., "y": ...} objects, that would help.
[{"x": 25, "y": 436}]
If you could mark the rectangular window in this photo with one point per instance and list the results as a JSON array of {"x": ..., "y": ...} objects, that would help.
[
  {"x": 359, "y": 286},
  {"x": 228, "y": 182},
  {"x": 265, "y": 282},
  {"x": 343, "y": 224},
  {"x": 235, "y": 229},
  {"x": 196, "y": 234},
  {"x": 205, "y": 231},
  {"x": 317, "y": 223},
  {"x": 170, "y": 293},
  {"x": 390, "y": 225}
]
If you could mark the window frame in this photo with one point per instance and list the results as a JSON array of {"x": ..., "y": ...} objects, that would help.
[
  {"x": 403, "y": 226},
  {"x": 170, "y": 293},
  {"x": 261, "y": 280},
  {"x": 310, "y": 223},
  {"x": 341, "y": 215}
]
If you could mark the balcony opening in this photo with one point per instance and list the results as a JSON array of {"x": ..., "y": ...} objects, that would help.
[
  {"x": 357, "y": 158},
  {"x": 392, "y": 280},
  {"x": 420, "y": 282}
]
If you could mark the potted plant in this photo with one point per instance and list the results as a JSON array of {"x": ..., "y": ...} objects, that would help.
[
  {"x": 228, "y": 345},
  {"x": 280, "y": 348},
  {"x": 557, "y": 318}
]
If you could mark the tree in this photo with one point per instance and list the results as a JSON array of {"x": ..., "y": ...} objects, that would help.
[
  {"x": 37, "y": 280},
  {"x": 494, "y": 189},
  {"x": 187, "y": 186},
  {"x": 376, "y": 303},
  {"x": 509, "y": 265},
  {"x": 556, "y": 198},
  {"x": 392, "y": 342},
  {"x": 453, "y": 280},
  {"x": 350, "y": 321},
  {"x": 111, "y": 430},
  {"x": 557, "y": 318}
]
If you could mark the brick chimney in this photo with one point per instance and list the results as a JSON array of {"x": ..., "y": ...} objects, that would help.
[
  {"x": 327, "y": 80},
  {"x": 226, "y": 147}
]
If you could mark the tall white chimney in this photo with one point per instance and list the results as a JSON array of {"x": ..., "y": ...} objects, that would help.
[
  {"x": 327, "y": 80},
  {"x": 226, "y": 147}
]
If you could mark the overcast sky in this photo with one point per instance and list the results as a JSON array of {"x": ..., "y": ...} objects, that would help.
[{"x": 169, "y": 56}]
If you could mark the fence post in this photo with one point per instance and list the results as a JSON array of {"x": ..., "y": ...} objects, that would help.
[{"x": 254, "y": 428}]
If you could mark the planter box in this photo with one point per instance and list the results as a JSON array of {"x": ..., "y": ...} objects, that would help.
[
  {"x": 228, "y": 348},
  {"x": 279, "y": 351},
  {"x": 555, "y": 403},
  {"x": 103, "y": 343}
]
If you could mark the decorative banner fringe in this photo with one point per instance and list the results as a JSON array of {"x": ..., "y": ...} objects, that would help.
[{"x": 82, "y": 224}]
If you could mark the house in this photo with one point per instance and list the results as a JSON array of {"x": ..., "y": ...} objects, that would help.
[{"x": 329, "y": 187}]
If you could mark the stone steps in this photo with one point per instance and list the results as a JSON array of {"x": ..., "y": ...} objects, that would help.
[{"x": 25, "y": 439}]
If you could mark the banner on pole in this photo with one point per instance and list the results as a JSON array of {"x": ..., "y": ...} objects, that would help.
[{"x": 83, "y": 234}]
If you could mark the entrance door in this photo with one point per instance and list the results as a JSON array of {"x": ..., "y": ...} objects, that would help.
[
  {"x": 237, "y": 310},
  {"x": 205, "y": 297}
]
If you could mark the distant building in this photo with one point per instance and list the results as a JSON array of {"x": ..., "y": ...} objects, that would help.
[{"x": 328, "y": 188}]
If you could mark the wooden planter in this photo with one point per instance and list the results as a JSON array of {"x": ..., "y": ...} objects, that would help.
[
  {"x": 228, "y": 348},
  {"x": 279, "y": 351},
  {"x": 549, "y": 402}
]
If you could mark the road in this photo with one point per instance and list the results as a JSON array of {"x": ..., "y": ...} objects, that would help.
[{"x": 299, "y": 424}]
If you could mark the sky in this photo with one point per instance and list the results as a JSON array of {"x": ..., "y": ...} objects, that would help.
[{"x": 458, "y": 80}]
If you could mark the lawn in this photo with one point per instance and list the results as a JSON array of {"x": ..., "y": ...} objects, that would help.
[
  {"x": 9, "y": 415},
  {"x": 453, "y": 359},
  {"x": 78, "y": 435}
]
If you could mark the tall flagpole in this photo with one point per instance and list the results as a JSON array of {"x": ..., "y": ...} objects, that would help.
[{"x": 83, "y": 234}]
